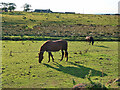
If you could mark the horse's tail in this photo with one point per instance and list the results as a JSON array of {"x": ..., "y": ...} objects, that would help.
[
  {"x": 92, "y": 42},
  {"x": 66, "y": 53}
]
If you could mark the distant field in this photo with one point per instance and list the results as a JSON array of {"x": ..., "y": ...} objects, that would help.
[
  {"x": 71, "y": 26},
  {"x": 20, "y": 67}
]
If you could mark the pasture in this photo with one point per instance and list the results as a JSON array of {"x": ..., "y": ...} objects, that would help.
[
  {"x": 38, "y": 26},
  {"x": 21, "y": 69}
]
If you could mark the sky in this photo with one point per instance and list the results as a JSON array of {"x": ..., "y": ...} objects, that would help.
[{"x": 77, "y": 6}]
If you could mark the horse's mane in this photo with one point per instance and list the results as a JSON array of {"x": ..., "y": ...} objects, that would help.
[
  {"x": 42, "y": 47},
  {"x": 55, "y": 40},
  {"x": 48, "y": 40}
]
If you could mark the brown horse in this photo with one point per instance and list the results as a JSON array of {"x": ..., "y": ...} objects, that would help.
[
  {"x": 53, "y": 46},
  {"x": 90, "y": 39}
]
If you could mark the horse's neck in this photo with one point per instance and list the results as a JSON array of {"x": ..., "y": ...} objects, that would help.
[
  {"x": 41, "y": 52},
  {"x": 42, "y": 49}
]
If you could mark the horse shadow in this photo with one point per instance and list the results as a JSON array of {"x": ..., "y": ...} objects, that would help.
[
  {"x": 76, "y": 70},
  {"x": 101, "y": 46}
]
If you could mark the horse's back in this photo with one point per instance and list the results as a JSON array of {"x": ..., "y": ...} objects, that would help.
[
  {"x": 89, "y": 38},
  {"x": 56, "y": 45}
]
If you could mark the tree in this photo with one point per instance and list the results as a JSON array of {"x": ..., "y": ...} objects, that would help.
[
  {"x": 8, "y": 6},
  {"x": 11, "y": 6},
  {"x": 26, "y": 7},
  {"x": 4, "y": 6},
  {"x": 5, "y": 9}
]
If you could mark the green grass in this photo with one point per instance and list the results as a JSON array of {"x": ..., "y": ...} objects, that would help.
[
  {"x": 20, "y": 69},
  {"x": 102, "y": 27}
]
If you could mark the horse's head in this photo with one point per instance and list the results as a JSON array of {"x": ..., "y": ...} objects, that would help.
[{"x": 40, "y": 56}]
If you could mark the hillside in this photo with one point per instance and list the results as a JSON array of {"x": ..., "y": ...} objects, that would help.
[{"x": 31, "y": 25}]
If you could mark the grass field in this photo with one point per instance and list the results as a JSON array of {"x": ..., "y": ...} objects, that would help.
[
  {"x": 20, "y": 67},
  {"x": 29, "y": 30},
  {"x": 72, "y": 26}
]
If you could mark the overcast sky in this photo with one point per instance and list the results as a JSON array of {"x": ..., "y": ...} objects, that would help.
[{"x": 78, "y": 6}]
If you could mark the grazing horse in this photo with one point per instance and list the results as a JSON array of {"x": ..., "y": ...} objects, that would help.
[
  {"x": 53, "y": 46},
  {"x": 90, "y": 39}
]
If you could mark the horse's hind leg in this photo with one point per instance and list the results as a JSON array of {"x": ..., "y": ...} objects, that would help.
[
  {"x": 62, "y": 55},
  {"x": 92, "y": 42},
  {"x": 51, "y": 56}
]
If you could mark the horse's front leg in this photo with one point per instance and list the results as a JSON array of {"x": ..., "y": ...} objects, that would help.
[
  {"x": 51, "y": 56},
  {"x": 89, "y": 42},
  {"x": 62, "y": 55}
]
